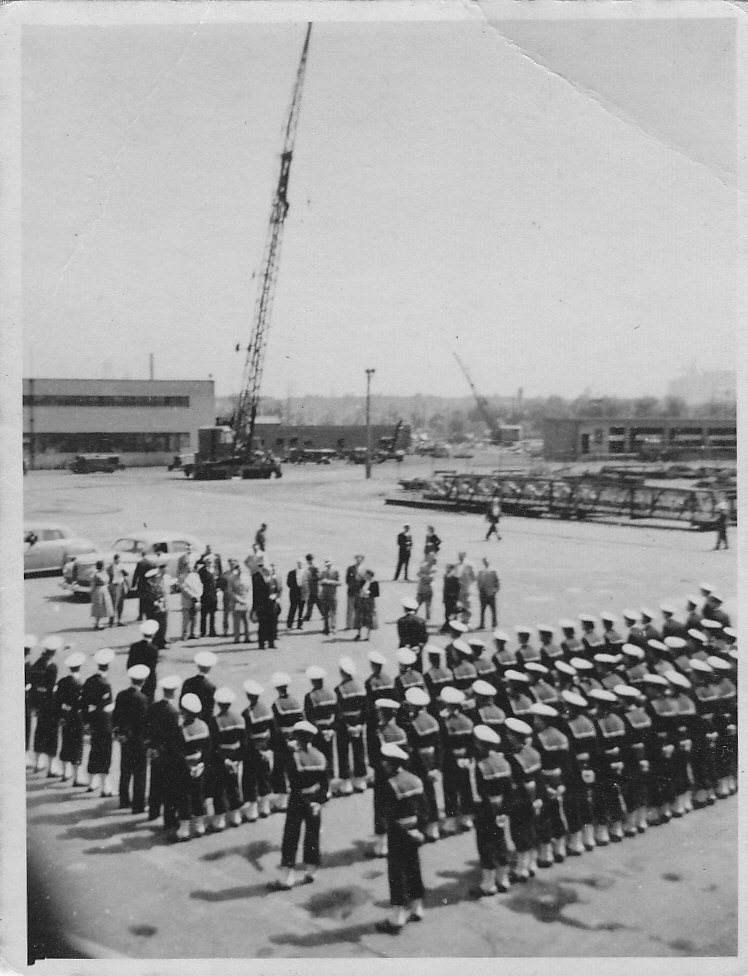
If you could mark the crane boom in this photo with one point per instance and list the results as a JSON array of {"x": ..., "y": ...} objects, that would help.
[
  {"x": 482, "y": 404},
  {"x": 245, "y": 413}
]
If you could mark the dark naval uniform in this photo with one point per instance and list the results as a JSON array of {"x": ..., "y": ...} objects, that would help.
[
  {"x": 582, "y": 736},
  {"x": 411, "y": 631},
  {"x": 389, "y": 733},
  {"x": 43, "y": 678},
  {"x": 196, "y": 759},
  {"x": 379, "y": 685},
  {"x": 405, "y": 810},
  {"x": 320, "y": 708},
  {"x": 494, "y": 784},
  {"x": 527, "y": 798},
  {"x": 464, "y": 676},
  {"x": 287, "y": 711},
  {"x": 309, "y": 782},
  {"x": 705, "y": 743},
  {"x": 424, "y": 738},
  {"x": 259, "y": 725},
  {"x": 96, "y": 699},
  {"x": 636, "y": 764},
  {"x": 67, "y": 701},
  {"x": 145, "y": 652},
  {"x": 609, "y": 807},
  {"x": 435, "y": 679},
  {"x": 457, "y": 745},
  {"x": 165, "y": 744},
  {"x": 351, "y": 721},
  {"x": 228, "y": 755},
  {"x": 665, "y": 719},
  {"x": 205, "y": 690},
  {"x": 129, "y": 724},
  {"x": 555, "y": 758}
]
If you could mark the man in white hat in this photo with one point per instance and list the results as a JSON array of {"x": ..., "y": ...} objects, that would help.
[
  {"x": 67, "y": 703},
  {"x": 687, "y": 718},
  {"x": 308, "y": 776},
  {"x": 464, "y": 672},
  {"x": 192, "y": 778},
  {"x": 411, "y": 629},
  {"x": 636, "y": 758},
  {"x": 437, "y": 674},
  {"x": 378, "y": 684},
  {"x": 458, "y": 762},
  {"x": 611, "y": 637},
  {"x": 164, "y": 749},
  {"x": 727, "y": 722},
  {"x": 693, "y": 619},
  {"x": 571, "y": 645},
  {"x": 610, "y": 808},
  {"x": 287, "y": 711},
  {"x": 593, "y": 641},
  {"x": 403, "y": 798},
  {"x": 706, "y": 733},
  {"x": 350, "y": 726},
  {"x": 409, "y": 676},
  {"x": 457, "y": 631},
  {"x": 354, "y": 580},
  {"x": 550, "y": 651},
  {"x": 257, "y": 767},
  {"x": 387, "y": 732},
  {"x": 227, "y": 757},
  {"x": 525, "y": 651},
  {"x": 320, "y": 708},
  {"x": 503, "y": 657},
  {"x": 329, "y": 581},
  {"x": 555, "y": 756},
  {"x": 43, "y": 681},
  {"x": 424, "y": 738},
  {"x": 199, "y": 684},
  {"x": 578, "y": 800},
  {"x": 670, "y": 626},
  {"x": 527, "y": 799},
  {"x": 664, "y": 714},
  {"x": 494, "y": 785},
  {"x": 129, "y": 727},
  {"x": 97, "y": 706},
  {"x": 145, "y": 652}
]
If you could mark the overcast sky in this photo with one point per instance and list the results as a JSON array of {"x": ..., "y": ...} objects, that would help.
[{"x": 554, "y": 202}]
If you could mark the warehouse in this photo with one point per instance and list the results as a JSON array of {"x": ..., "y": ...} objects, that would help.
[
  {"x": 571, "y": 439},
  {"x": 146, "y": 422},
  {"x": 281, "y": 438}
]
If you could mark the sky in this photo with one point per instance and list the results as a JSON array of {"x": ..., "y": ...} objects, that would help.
[{"x": 554, "y": 202}]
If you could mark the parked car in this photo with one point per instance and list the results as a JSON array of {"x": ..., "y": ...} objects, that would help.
[
  {"x": 86, "y": 463},
  {"x": 48, "y": 546},
  {"x": 158, "y": 546}
]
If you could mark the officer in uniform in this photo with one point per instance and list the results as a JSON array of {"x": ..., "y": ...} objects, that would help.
[
  {"x": 287, "y": 711},
  {"x": 387, "y": 732},
  {"x": 582, "y": 735},
  {"x": 550, "y": 652},
  {"x": 43, "y": 681},
  {"x": 408, "y": 676},
  {"x": 200, "y": 685},
  {"x": 403, "y": 799},
  {"x": 379, "y": 684},
  {"x": 129, "y": 726},
  {"x": 190, "y": 778},
  {"x": 145, "y": 652},
  {"x": 411, "y": 629},
  {"x": 610, "y": 809},
  {"x": 527, "y": 798},
  {"x": 494, "y": 786},
  {"x": 664, "y": 714},
  {"x": 540, "y": 687},
  {"x": 525, "y": 651},
  {"x": 571, "y": 644},
  {"x": 485, "y": 669},
  {"x": 96, "y": 708},
  {"x": 503, "y": 657},
  {"x": 309, "y": 782},
  {"x": 164, "y": 744},
  {"x": 320, "y": 708},
  {"x": 67, "y": 704},
  {"x": 350, "y": 724},
  {"x": 228, "y": 755},
  {"x": 592, "y": 641},
  {"x": 681, "y": 688},
  {"x": 457, "y": 764},
  {"x": 437, "y": 676},
  {"x": 424, "y": 738},
  {"x": 257, "y": 765},
  {"x": 555, "y": 758},
  {"x": 636, "y": 758}
]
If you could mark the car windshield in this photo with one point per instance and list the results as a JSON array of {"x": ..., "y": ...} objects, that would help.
[{"x": 127, "y": 545}]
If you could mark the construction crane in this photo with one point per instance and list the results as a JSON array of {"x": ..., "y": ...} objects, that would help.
[
  {"x": 221, "y": 455},
  {"x": 485, "y": 410}
]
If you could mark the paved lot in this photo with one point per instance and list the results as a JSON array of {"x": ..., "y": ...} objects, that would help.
[{"x": 115, "y": 884}]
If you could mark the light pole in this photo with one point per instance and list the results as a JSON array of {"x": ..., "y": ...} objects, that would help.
[{"x": 369, "y": 374}]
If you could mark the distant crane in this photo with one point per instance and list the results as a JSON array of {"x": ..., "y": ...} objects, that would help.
[{"x": 483, "y": 407}]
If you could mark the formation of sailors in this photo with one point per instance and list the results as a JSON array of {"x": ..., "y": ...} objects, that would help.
[{"x": 546, "y": 745}]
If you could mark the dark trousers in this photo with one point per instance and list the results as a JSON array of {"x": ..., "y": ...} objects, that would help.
[
  {"x": 347, "y": 745},
  {"x": 278, "y": 780},
  {"x": 380, "y": 822},
  {"x": 300, "y": 812},
  {"x": 312, "y": 602},
  {"x": 577, "y": 806},
  {"x": 132, "y": 769},
  {"x": 551, "y": 823},
  {"x": 191, "y": 797},
  {"x": 160, "y": 616},
  {"x": 403, "y": 867},
  {"x": 490, "y": 841},
  {"x": 208, "y": 619},
  {"x": 721, "y": 536},
  {"x": 267, "y": 625},
  {"x": 296, "y": 608},
  {"x": 327, "y": 747},
  {"x": 403, "y": 558},
  {"x": 458, "y": 794},
  {"x": 522, "y": 823},
  {"x": 225, "y": 787},
  {"x": 493, "y": 529},
  {"x": 255, "y": 777},
  {"x": 487, "y": 602},
  {"x": 164, "y": 792},
  {"x": 144, "y": 607}
]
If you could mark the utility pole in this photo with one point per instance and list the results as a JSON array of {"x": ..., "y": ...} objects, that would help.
[{"x": 369, "y": 374}]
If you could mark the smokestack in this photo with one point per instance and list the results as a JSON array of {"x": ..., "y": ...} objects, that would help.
[{"x": 150, "y": 366}]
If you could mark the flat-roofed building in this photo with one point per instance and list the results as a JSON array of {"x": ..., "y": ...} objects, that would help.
[
  {"x": 146, "y": 422},
  {"x": 281, "y": 438}
]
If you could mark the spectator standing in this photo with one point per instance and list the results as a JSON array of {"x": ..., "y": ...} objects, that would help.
[
  {"x": 466, "y": 575},
  {"x": 366, "y": 605},
  {"x": 261, "y": 537},
  {"x": 433, "y": 542},
  {"x": 238, "y": 590},
  {"x": 143, "y": 565},
  {"x": 450, "y": 594},
  {"x": 312, "y": 584},
  {"x": 208, "y": 601},
  {"x": 404, "y": 549},
  {"x": 101, "y": 601},
  {"x": 224, "y": 585},
  {"x": 329, "y": 581},
  {"x": 192, "y": 591},
  {"x": 425, "y": 591},
  {"x": 263, "y": 607},
  {"x": 354, "y": 579},
  {"x": 721, "y": 525},
  {"x": 119, "y": 587},
  {"x": 295, "y": 584},
  {"x": 488, "y": 587}
]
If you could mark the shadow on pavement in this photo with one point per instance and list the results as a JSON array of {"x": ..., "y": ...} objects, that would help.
[
  {"x": 232, "y": 894},
  {"x": 349, "y": 933}
]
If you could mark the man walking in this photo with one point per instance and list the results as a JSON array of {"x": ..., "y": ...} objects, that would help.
[
  {"x": 488, "y": 587},
  {"x": 294, "y": 583},
  {"x": 404, "y": 549},
  {"x": 721, "y": 525},
  {"x": 311, "y": 583},
  {"x": 492, "y": 517}
]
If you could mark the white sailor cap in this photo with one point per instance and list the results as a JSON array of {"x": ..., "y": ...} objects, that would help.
[
  {"x": 711, "y": 624},
  {"x": 458, "y": 626},
  {"x": 500, "y": 635},
  {"x": 608, "y": 617},
  {"x": 191, "y": 703},
  {"x": 417, "y": 696},
  {"x": 733, "y": 652},
  {"x": 347, "y": 666},
  {"x": 523, "y": 629},
  {"x": 603, "y": 658},
  {"x": 280, "y": 680},
  {"x": 674, "y": 643},
  {"x": 544, "y": 629},
  {"x": 409, "y": 603},
  {"x": 706, "y": 587},
  {"x": 730, "y": 632},
  {"x": 582, "y": 664},
  {"x": 481, "y": 687},
  {"x": 138, "y": 672},
  {"x": 696, "y": 664},
  {"x": 253, "y": 688},
  {"x": 30, "y": 641},
  {"x": 633, "y": 650},
  {"x": 451, "y": 696},
  {"x": 536, "y": 667},
  {"x": 518, "y": 727},
  {"x": 104, "y": 656},
  {"x": 546, "y": 711},
  {"x": 388, "y": 704},
  {"x": 170, "y": 682},
  {"x": 149, "y": 627},
  {"x": 462, "y": 647},
  {"x": 483, "y": 733},
  {"x": 657, "y": 645},
  {"x": 565, "y": 668},
  {"x": 225, "y": 696},
  {"x": 587, "y": 618},
  {"x": 75, "y": 660},
  {"x": 406, "y": 657},
  {"x": 476, "y": 643},
  {"x": 626, "y": 691},
  {"x": 435, "y": 649},
  {"x": 697, "y": 635},
  {"x": 205, "y": 659},
  {"x": 601, "y": 694},
  {"x": 305, "y": 727},
  {"x": 150, "y": 573},
  {"x": 512, "y": 675},
  {"x": 668, "y": 609},
  {"x": 716, "y": 598},
  {"x": 647, "y": 614},
  {"x": 572, "y": 698},
  {"x": 392, "y": 751},
  {"x": 566, "y": 624},
  {"x": 675, "y": 678},
  {"x": 692, "y": 601},
  {"x": 375, "y": 657},
  {"x": 53, "y": 642},
  {"x": 315, "y": 673},
  {"x": 630, "y": 615},
  {"x": 654, "y": 679},
  {"x": 718, "y": 663}
]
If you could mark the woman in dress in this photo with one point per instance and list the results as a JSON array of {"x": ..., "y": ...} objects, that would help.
[
  {"x": 366, "y": 605},
  {"x": 101, "y": 600},
  {"x": 425, "y": 591},
  {"x": 119, "y": 587}
]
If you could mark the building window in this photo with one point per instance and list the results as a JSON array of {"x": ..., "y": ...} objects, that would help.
[
  {"x": 111, "y": 443},
  {"x": 101, "y": 400}
]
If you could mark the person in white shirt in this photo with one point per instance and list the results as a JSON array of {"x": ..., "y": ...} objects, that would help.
[{"x": 192, "y": 590}]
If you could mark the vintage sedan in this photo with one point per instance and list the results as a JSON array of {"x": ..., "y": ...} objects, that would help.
[
  {"x": 165, "y": 546},
  {"x": 48, "y": 546}
]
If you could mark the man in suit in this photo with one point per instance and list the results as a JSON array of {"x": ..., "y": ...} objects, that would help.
[
  {"x": 353, "y": 581},
  {"x": 411, "y": 629},
  {"x": 488, "y": 587},
  {"x": 208, "y": 601},
  {"x": 329, "y": 581},
  {"x": 404, "y": 549},
  {"x": 140, "y": 585},
  {"x": 294, "y": 582},
  {"x": 263, "y": 608}
]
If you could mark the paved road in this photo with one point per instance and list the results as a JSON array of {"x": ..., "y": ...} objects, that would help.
[{"x": 117, "y": 886}]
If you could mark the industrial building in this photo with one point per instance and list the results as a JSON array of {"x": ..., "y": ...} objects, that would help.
[
  {"x": 281, "y": 438},
  {"x": 585, "y": 438},
  {"x": 145, "y": 422}
]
